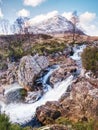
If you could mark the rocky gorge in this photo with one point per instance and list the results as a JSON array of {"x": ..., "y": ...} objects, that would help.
[{"x": 52, "y": 93}]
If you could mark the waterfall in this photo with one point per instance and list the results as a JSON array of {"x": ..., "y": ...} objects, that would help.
[
  {"x": 23, "y": 112},
  {"x": 77, "y": 56}
]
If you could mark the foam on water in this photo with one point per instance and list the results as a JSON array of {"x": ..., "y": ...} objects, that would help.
[
  {"x": 21, "y": 113},
  {"x": 77, "y": 52}
]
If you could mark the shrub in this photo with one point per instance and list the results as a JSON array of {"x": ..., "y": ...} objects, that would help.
[
  {"x": 3, "y": 66},
  {"x": 63, "y": 121},
  {"x": 16, "y": 53},
  {"x": 90, "y": 59},
  {"x": 23, "y": 93},
  {"x": 5, "y": 124},
  {"x": 80, "y": 125},
  {"x": 49, "y": 48},
  {"x": 84, "y": 125}
]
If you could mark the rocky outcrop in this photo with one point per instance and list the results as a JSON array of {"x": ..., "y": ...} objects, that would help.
[
  {"x": 80, "y": 102},
  {"x": 79, "y": 105},
  {"x": 33, "y": 96},
  {"x": 48, "y": 112},
  {"x": 63, "y": 71},
  {"x": 10, "y": 75},
  {"x": 13, "y": 97},
  {"x": 91, "y": 78},
  {"x": 29, "y": 68}
]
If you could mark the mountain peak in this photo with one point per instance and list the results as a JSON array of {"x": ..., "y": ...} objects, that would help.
[
  {"x": 49, "y": 25},
  {"x": 54, "y": 24}
]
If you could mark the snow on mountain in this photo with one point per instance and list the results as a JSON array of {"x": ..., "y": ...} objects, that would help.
[
  {"x": 51, "y": 25},
  {"x": 5, "y": 27},
  {"x": 55, "y": 24}
]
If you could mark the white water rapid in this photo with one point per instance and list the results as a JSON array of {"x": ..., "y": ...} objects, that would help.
[
  {"x": 23, "y": 112},
  {"x": 77, "y": 57}
]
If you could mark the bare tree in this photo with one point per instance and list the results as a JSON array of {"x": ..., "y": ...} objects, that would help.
[
  {"x": 75, "y": 21},
  {"x": 19, "y": 23},
  {"x": 26, "y": 32}
]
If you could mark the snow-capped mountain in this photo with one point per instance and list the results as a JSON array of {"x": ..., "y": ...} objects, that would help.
[
  {"x": 5, "y": 27},
  {"x": 55, "y": 24}
]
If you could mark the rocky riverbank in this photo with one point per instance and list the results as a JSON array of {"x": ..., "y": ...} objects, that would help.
[
  {"x": 81, "y": 103},
  {"x": 64, "y": 93},
  {"x": 23, "y": 72}
]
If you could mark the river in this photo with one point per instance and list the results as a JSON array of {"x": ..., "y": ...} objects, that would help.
[{"x": 22, "y": 113}]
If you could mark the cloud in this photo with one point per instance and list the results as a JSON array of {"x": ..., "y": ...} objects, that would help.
[
  {"x": 87, "y": 22},
  {"x": 87, "y": 17},
  {"x": 1, "y": 14},
  {"x": 33, "y": 3},
  {"x": 42, "y": 17},
  {"x": 67, "y": 15},
  {"x": 23, "y": 13}
]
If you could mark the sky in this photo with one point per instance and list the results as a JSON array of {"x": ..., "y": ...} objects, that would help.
[{"x": 41, "y": 9}]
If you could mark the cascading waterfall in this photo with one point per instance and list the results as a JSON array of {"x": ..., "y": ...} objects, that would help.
[
  {"x": 24, "y": 112},
  {"x": 77, "y": 56}
]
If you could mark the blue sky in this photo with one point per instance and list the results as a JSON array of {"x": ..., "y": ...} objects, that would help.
[{"x": 87, "y": 9}]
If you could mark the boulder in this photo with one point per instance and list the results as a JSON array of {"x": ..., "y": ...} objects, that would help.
[
  {"x": 81, "y": 102},
  {"x": 29, "y": 68},
  {"x": 33, "y": 96},
  {"x": 57, "y": 76},
  {"x": 13, "y": 97},
  {"x": 63, "y": 71},
  {"x": 10, "y": 75},
  {"x": 47, "y": 113}
]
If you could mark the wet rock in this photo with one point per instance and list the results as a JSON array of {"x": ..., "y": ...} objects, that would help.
[
  {"x": 29, "y": 68},
  {"x": 63, "y": 71},
  {"x": 13, "y": 97},
  {"x": 33, "y": 96},
  {"x": 58, "y": 76},
  {"x": 47, "y": 113}
]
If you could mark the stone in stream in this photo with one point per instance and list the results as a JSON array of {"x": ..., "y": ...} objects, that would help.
[
  {"x": 64, "y": 71},
  {"x": 33, "y": 96},
  {"x": 29, "y": 68},
  {"x": 15, "y": 96}
]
